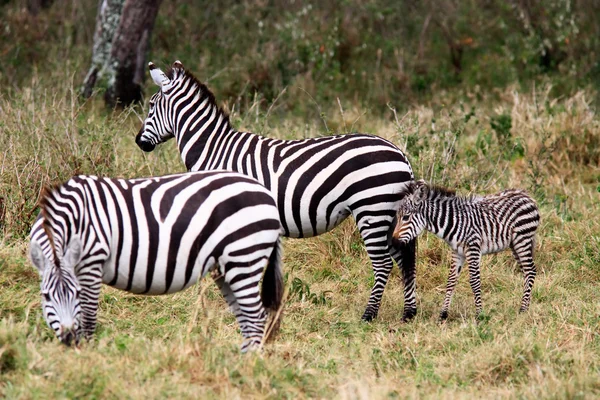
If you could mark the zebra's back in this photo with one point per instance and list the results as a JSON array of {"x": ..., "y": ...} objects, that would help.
[
  {"x": 318, "y": 182},
  {"x": 500, "y": 218}
]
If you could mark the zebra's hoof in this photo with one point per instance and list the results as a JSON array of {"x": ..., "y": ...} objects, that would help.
[
  {"x": 409, "y": 314},
  {"x": 443, "y": 316},
  {"x": 368, "y": 316},
  {"x": 251, "y": 345}
]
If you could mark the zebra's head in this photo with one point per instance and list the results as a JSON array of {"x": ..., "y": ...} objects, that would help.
[
  {"x": 60, "y": 289},
  {"x": 158, "y": 125},
  {"x": 410, "y": 219}
]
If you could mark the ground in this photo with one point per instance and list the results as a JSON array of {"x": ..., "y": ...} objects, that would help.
[{"x": 186, "y": 345}]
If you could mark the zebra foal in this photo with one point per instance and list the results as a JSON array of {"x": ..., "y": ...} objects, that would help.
[
  {"x": 472, "y": 226},
  {"x": 157, "y": 236}
]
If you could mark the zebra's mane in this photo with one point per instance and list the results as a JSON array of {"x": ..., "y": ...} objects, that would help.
[
  {"x": 47, "y": 192},
  {"x": 440, "y": 191},
  {"x": 205, "y": 92}
]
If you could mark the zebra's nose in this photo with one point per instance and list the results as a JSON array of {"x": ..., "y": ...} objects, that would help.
[
  {"x": 143, "y": 144},
  {"x": 68, "y": 336}
]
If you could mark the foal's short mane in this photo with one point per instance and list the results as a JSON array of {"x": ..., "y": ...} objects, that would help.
[
  {"x": 440, "y": 191},
  {"x": 205, "y": 92}
]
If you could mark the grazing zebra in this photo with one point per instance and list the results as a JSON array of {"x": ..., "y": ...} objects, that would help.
[
  {"x": 156, "y": 236},
  {"x": 317, "y": 182},
  {"x": 472, "y": 226}
]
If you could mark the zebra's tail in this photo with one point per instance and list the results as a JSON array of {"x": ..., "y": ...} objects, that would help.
[{"x": 272, "y": 289}]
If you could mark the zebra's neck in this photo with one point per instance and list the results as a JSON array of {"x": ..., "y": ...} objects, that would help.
[
  {"x": 441, "y": 211},
  {"x": 69, "y": 215},
  {"x": 200, "y": 130}
]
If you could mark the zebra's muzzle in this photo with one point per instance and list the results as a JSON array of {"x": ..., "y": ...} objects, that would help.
[
  {"x": 143, "y": 144},
  {"x": 68, "y": 337}
]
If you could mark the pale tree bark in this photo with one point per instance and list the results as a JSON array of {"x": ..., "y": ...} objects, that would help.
[
  {"x": 121, "y": 42},
  {"x": 129, "y": 50},
  {"x": 107, "y": 21}
]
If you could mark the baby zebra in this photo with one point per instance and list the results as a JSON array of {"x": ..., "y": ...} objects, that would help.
[
  {"x": 156, "y": 236},
  {"x": 472, "y": 226}
]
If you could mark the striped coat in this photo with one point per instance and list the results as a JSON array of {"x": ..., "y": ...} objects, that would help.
[
  {"x": 157, "y": 236},
  {"x": 317, "y": 182}
]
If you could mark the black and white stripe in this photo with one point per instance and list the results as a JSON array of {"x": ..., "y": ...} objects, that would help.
[
  {"x": 317, "y": 182},
  {"x": 156, "y": 236},
  {"x": 473, "y": 226}
]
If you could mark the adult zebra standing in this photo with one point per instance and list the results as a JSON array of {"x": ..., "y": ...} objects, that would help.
[
  {"x": 317, "y": 182},
  {"x": 157, "y": 236}
]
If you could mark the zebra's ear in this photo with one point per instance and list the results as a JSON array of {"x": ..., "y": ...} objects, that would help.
[
  {"x": 37, "y": 256},
  {"x": 159, "y": 77},
  {"x": 421, "y": 190},
  {"x": 177, "y": 65},
  {"x": 72, "y": 255}
]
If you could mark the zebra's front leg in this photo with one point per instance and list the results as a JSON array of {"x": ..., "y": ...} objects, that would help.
[
  {"x": 406, "y": 258},
  {"x": 91, "y": 284},
  {"x": 473, "y": 256},
  {"x": 455, "y": 269}
]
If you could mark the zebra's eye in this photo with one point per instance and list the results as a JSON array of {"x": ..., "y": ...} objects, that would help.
[
  {"x": 406, "y": 217},
  {"x": 46, "y": 296}
]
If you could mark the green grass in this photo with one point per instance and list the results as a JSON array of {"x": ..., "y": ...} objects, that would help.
[{"x": 186, "y": 345}]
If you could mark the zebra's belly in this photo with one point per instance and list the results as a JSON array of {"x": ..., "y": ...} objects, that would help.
[
  {"x": 153, "y": 282},
  {"x": 309, "y": 227},
  {"x": 155, "y": 271},
  {"x": 494, "y": 245},
  {"x": 486, "y": 247}
]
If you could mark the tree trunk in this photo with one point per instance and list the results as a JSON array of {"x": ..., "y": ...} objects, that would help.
[
  {"x": 129, "y": 50},
  {"x": 107, "y": 21},
  {"x": 121, "y": 41},
  {"x": 35, "y": 6}
]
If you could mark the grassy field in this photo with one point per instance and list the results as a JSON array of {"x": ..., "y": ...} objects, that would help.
[
  {"x": 503, "y": 119},
  {"x": 186, "y": 345}
]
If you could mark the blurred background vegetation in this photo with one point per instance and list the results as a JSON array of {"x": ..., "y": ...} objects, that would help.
[
  {"x": 474, "y": 91},
  {"x": 369, "y": 52}
]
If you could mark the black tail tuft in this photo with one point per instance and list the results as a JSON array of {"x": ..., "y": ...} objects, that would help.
[
  {"x": 272, "y": 291},
  {"x": 272, "y": 285}
]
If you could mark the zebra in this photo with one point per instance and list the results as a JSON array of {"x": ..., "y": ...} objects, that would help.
[
  {"x": 316, "y": 182},
  {"x": 472, "y": 226},
  {"x": 156, "y": 236}
]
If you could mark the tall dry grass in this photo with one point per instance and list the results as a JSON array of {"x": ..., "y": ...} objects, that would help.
[{"x": 185, "y": 346}]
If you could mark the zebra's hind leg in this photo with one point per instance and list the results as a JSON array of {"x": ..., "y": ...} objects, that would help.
[
  {"x": 406, "y": 258},
  {"x": 374, "y": 233},
  {"x": 241, "y": 281},
  {"x": 473, "y": 255},
  {"x": 225, "y": 290},
  {"x": 523, "y": 253},
  {"x": 455, "y": 269}
]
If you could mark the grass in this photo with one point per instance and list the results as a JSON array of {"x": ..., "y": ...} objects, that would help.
[{"x": 186, "y": 345}]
